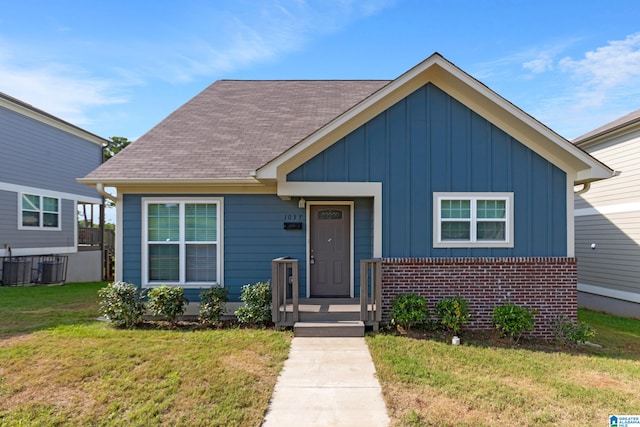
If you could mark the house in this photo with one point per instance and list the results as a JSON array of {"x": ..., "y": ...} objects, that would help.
[
  {"x": 450, "y": 189},
  {"x": 607, "y": 221},
  {"x": 41, "y": 158}
]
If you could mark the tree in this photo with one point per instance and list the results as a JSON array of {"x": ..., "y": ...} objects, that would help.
[{"x": 117, "y": 144}]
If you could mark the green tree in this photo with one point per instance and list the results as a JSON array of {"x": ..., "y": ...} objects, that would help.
[{"x": 117, "y": 144}]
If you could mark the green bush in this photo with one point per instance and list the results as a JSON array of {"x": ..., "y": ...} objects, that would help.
[
  {"x": 453, "y": 313},
  {"x": 409, "y": 310},
  {"x": 121, "y": 303},
  {"x": 257, "y": 304},
  {"x": 568, "y": 332},
  {"x": 167, "y": 301},
  {"x": 513, "y": 320},
  {"x": 212, "y": 302}
]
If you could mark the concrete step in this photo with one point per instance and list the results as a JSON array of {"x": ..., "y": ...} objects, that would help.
[{"x": 340, "y": 328}]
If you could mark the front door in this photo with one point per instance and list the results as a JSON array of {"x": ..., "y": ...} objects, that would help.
[{"x": 330, "y": 251}]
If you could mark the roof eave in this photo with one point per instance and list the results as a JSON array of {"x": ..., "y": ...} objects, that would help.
[{"x": 110, "y": 182}]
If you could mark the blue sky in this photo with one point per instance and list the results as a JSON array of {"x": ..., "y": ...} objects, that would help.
[{"x": 116, "y": 68}]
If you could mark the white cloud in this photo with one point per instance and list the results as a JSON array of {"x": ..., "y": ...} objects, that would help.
[
  {"x": 244, "y": 38},
  {"x": 603, "y": 71},
  {"x": 544, "y": 62},
  {"x": 58, "y": 89}
]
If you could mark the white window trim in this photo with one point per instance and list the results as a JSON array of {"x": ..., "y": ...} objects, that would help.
[
  {"x": 437, "y": 238},
  {"x": 41, "y": 212},
  {"x": 146, "y": 201}
]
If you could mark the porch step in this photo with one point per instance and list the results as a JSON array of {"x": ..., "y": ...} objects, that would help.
[
  {"x": 340, "y": 328},
  {"x": 332, "y": 316}
]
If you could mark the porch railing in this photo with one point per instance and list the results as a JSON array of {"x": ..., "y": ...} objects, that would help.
[
  {"x": 371, "y": 291},
  {"x": 284, "y": 291}
]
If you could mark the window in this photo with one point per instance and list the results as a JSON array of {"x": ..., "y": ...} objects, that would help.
[
  {"x": 183, "y": 242},
  {"x": 473, "y": 220},
  {"x": 39, "y": 212}
]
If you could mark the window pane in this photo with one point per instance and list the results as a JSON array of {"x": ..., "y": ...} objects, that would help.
[
  {"x": 455, "y": 209},
  {"x": 30, "y": 202},
  {"x": 30, "y": 219},
  {"x": 491, "y": 208},
  {"x": 163, "y": 222},
  {"x": 456, "y": 231},
  {"x": 491, "y": 231},
  {"x": 164, "y": 263},
  {"x": 50, "y": 220},
  {"x": 49, "y": 204},
  {"x": 201, "y": 263},
  {"x": 200, "y": 222}
]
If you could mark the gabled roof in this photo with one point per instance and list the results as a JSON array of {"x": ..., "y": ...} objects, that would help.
[
  {"x": 581, "y": 166},
  {"x": 623, "y": 124},
  {"x": 251, "y": 131},
  {"x": 14, "y": 104},
  {"x": 232, "y": 128}
]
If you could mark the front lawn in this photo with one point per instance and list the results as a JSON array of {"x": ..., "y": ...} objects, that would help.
[
  {"x": 60, "y": 366},
  {"x": 488, "y": 382}
]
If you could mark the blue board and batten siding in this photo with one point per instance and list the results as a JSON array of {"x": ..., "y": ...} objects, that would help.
[
  {"x": 426, "y": 143},
  {"x": 429, "y": 142},
  {"x": 254, "y": 235}
]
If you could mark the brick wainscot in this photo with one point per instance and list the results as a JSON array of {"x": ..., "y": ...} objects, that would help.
[{"x": 547, "y": 284}]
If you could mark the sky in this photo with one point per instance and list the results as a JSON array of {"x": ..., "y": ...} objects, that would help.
[{"x": 117, "y": 68}]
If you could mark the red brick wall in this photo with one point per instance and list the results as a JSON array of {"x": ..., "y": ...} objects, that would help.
[{"x": 547, "y": 284}]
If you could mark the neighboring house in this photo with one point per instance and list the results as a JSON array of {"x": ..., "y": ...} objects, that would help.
[
  {"x": 41, "y": 158},
  {"x": 608, "y": 221},
  {"x": 452, "y": 187}
]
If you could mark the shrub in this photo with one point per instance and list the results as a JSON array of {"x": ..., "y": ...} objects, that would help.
[
  {"x": 453, "y": 313},
  {"x": 409, "y": 310},
  {"x": 167, "y": 301},
  {"x": 568, "y": 332},
  {"x": 212, "y": 302},
  {"x": 257, "y": 303},
  {"x": 513, "y": 320},
  {"x": 120, "y": 303}
]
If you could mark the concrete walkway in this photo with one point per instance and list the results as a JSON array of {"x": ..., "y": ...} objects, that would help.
[{"x": 327, "y": 382}]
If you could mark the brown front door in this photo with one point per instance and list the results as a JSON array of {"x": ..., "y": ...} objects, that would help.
[{"x": 330, "y": 251}]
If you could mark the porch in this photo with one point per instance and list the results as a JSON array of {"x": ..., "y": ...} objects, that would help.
[{"x": 329, "y": 317}]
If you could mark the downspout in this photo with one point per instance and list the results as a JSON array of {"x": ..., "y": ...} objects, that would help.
[
  {"x": 103, "y": 192},
  {"x": 585, "y": 187}
]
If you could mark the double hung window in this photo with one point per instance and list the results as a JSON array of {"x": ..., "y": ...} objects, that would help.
[
  {"x": 183, "y": 241},
  {"x": 473, "y": 220},
  {"x": 39, "y": 212}
]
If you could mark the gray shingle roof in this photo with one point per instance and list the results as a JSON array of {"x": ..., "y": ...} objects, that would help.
[
  {"x": 232, "y": 128},
  {"x": 618, "y": 123}
]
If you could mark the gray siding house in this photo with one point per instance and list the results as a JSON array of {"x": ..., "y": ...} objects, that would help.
[
  {"x": 41, "y": 158},
  {"x": 608, "y": 221},
  {"x": 429, "y": 183}
]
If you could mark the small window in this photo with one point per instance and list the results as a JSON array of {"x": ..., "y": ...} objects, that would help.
[
  {"x": 39, "y": 212},
  {"x": 473, "y": 220},
  {"x": 330, "y": 214}
]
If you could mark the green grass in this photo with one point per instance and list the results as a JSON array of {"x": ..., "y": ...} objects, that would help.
[
  {"x": 59, "y": 366},
  {"x": 485, "y": 382},
  {"x": 29, "y": 309}
]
